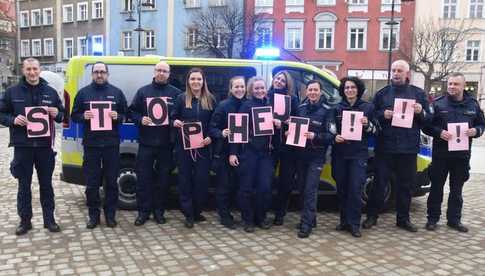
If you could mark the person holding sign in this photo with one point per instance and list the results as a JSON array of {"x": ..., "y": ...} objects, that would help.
[
  {"x": 219, "y": 131},
  {"x": 253, "y": 160},
  {"x": 456, "y": 108},
  {"x": 350, "y": 154},
  {"x": 150, "y": 111},
  {"x": 191, "y": 115},
  {"x": 397, "y": 147},
  {"x": 29, "y": 109},
  {"x": 311, "y": 158},
  {"x": 101, "y": 147},
  {"x": 282, "y": 98}
]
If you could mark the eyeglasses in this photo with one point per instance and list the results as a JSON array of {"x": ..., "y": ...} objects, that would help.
[{"x": 99, "y": 72}]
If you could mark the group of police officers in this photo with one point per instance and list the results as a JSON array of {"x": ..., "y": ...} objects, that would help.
[{"x": 251, "y": 164}]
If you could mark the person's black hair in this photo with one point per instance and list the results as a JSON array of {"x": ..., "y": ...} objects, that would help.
[
  {"x": 358, "y": 82},
  {"x": 314, "y": 81},
  {"x": 100, "y": 62}
]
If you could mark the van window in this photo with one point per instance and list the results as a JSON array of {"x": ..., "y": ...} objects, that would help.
[
  {"x": 301, "y": 77},
  {"x": 217, "y": 77}
]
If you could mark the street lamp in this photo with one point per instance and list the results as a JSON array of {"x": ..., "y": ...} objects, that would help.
[
  {"x": 139, "y": 4},
  {"x": 391, "y": 24}
]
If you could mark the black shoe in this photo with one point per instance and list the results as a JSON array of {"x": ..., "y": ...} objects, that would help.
[
  {"x": 92, "y": 223},
  {"x": 111, "y": 222},
  {"x": 278, "y": 221},
  {"x": 229, "y": 224},
  {"x": 303, "y": 233},
  {"x": 265, "y": 225},
  {"x": 248, "y": 228},
  {"x": 458, "y": 226},
  {"x": 140, "y": 220},
  {"x": 159, "y": 218},
  {"x": 52, "y": 227},
  {"x": 369, "y": 222},
  {"x": 298, "y": 225},
  {"x": 23, "y": 228},
  {"x": 342, "y": 227},
  {"x": 355, "y": 232},
  {"x": 431, "y": 226},
  {"x": 199, "y": 218},
  {"x": 189, "y": 223},
  {"x": 408, "y": 226}
]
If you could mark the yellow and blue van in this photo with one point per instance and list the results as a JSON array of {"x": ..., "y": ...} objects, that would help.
[{"x": 131, "y": 73}]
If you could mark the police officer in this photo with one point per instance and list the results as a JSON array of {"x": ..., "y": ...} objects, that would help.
[
  {"x": 101, "y": 148},
  {"x": 154, "y": 147},
  {"x": 349, "y": 158},
  {"x": 312, "y": 158},
  {"x": 226, "y": 182},
  {"x": 455, "y": 107},
  {"x": 31, "y": 91},
  {"x": 396, "y": 149}
]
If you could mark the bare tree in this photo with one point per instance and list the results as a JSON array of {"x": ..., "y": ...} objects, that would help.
[{"x": 436, "y": 51}]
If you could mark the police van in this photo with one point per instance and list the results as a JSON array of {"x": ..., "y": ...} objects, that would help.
[{"x": 131, "y": 73}]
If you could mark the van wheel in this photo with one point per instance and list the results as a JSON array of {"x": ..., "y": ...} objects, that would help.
[
  {"x": 127, "y": 184},
  {"x": 369, "y": 185}
]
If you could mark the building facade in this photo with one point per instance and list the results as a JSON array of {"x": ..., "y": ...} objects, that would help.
[
  {"x": 346, "y": 37},
  {"x": 53, "y": 31},
  {"x": 469, "y": 52},
  {"x": 8, "y": 43}
]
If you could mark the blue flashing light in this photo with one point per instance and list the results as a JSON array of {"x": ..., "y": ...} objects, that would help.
[{"x": 267, "y": 53}]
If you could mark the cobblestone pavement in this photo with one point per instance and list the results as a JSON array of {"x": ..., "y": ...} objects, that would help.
[{"x": 209, "y": 249}]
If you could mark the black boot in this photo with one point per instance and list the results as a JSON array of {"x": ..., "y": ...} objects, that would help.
[{"x": 23, "y": 228}]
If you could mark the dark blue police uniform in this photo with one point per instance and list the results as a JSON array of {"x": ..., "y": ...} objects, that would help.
[
  {"x": 30, "y": 152},
  {"x": 101, "y": 148}
]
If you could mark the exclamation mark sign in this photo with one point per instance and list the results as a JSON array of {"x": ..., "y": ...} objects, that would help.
[
  {"x": 352, "y": 122},
  {"x": 458, "y": 140},
  {"x": 404, "y": 105}
]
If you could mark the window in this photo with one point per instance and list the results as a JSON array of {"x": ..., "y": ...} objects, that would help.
[
  {"x": 4, "y": 44},
  {"x": 149, "y": 40},
  {"x": 48, "y": 47},
  {"x": 295, "y": 6},
  {"x": 98, "y": 45},
  {"x": 48, "y": 16},
  {"x": 357, "y": 5},
  {"x": 294, "y": 35},
  {"x": 82, "y": 47},
  {"x": 357, "y": 35},
  {"x": 217, "y": 3},
  {"x": 449, "y": 8},
  {"x": 446, "y": 54},
  {"x": 264, "y": 34},
  {"x": 472, "y": 50},
  {"x": 127, "y": 5},
  {"x": 24, "y": 19},
  {"x": 97, "y": 11},
  {"x": 36, "y": 18},
  {"x": 67, "y": 13},
  {"x": 325, "y": 31},
  {"x": 192, "y": 4},
  {"x": 68, "y": 48},
  {"x": 25, "y": 48},
  {"x": 151, "y": 4},
  {"x": 325, "y": 2},
  {"x": 191, "y": 38},
  {"x": 386, "y": 5},
  {"x": 385, "y": 33},
  {"x": 82, "y": 11},
  {"x": 126, "y": 40},
  {"x": 476, "y": 9},
  {"x": 219, "y": 39},
  {"x": 263, "y": 6},
  {"x": 36, "y": 48}
]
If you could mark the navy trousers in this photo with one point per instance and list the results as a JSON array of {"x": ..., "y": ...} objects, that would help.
[
  {"x": 99, "y": 163},
  {"x": 226, "y": 187},
  {"x": 286, "y": 181},
  {"x": 22, "y": 167},
  {"x": 309, "y": 170}
]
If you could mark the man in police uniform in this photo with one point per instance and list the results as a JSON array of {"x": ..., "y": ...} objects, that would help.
[
  {"x": 396, "y": 149},
  {"x": 155, "y": 147},
  {"x": 454, "y": 107},
  {"x": 101, "y": 148},
  {"x": 31, "y": 91}
]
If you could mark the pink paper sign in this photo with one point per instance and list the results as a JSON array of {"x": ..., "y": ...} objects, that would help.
[
  {"x": 101, "y": 119},
  {"x": 459, "y": 139},
  {"x": 238, "y": 124},
  {"x": 282, "y": 106},
  {"x": 403, "y": 113},
  {"x": 157, "y": 111},
  {"x": 37, "y": 121},
  {"x": 262, "y": 121},
  {"x": 297, "y": 127},
  {"x": 352, "y": 125},
  {"x": 192, "y": 135}
]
